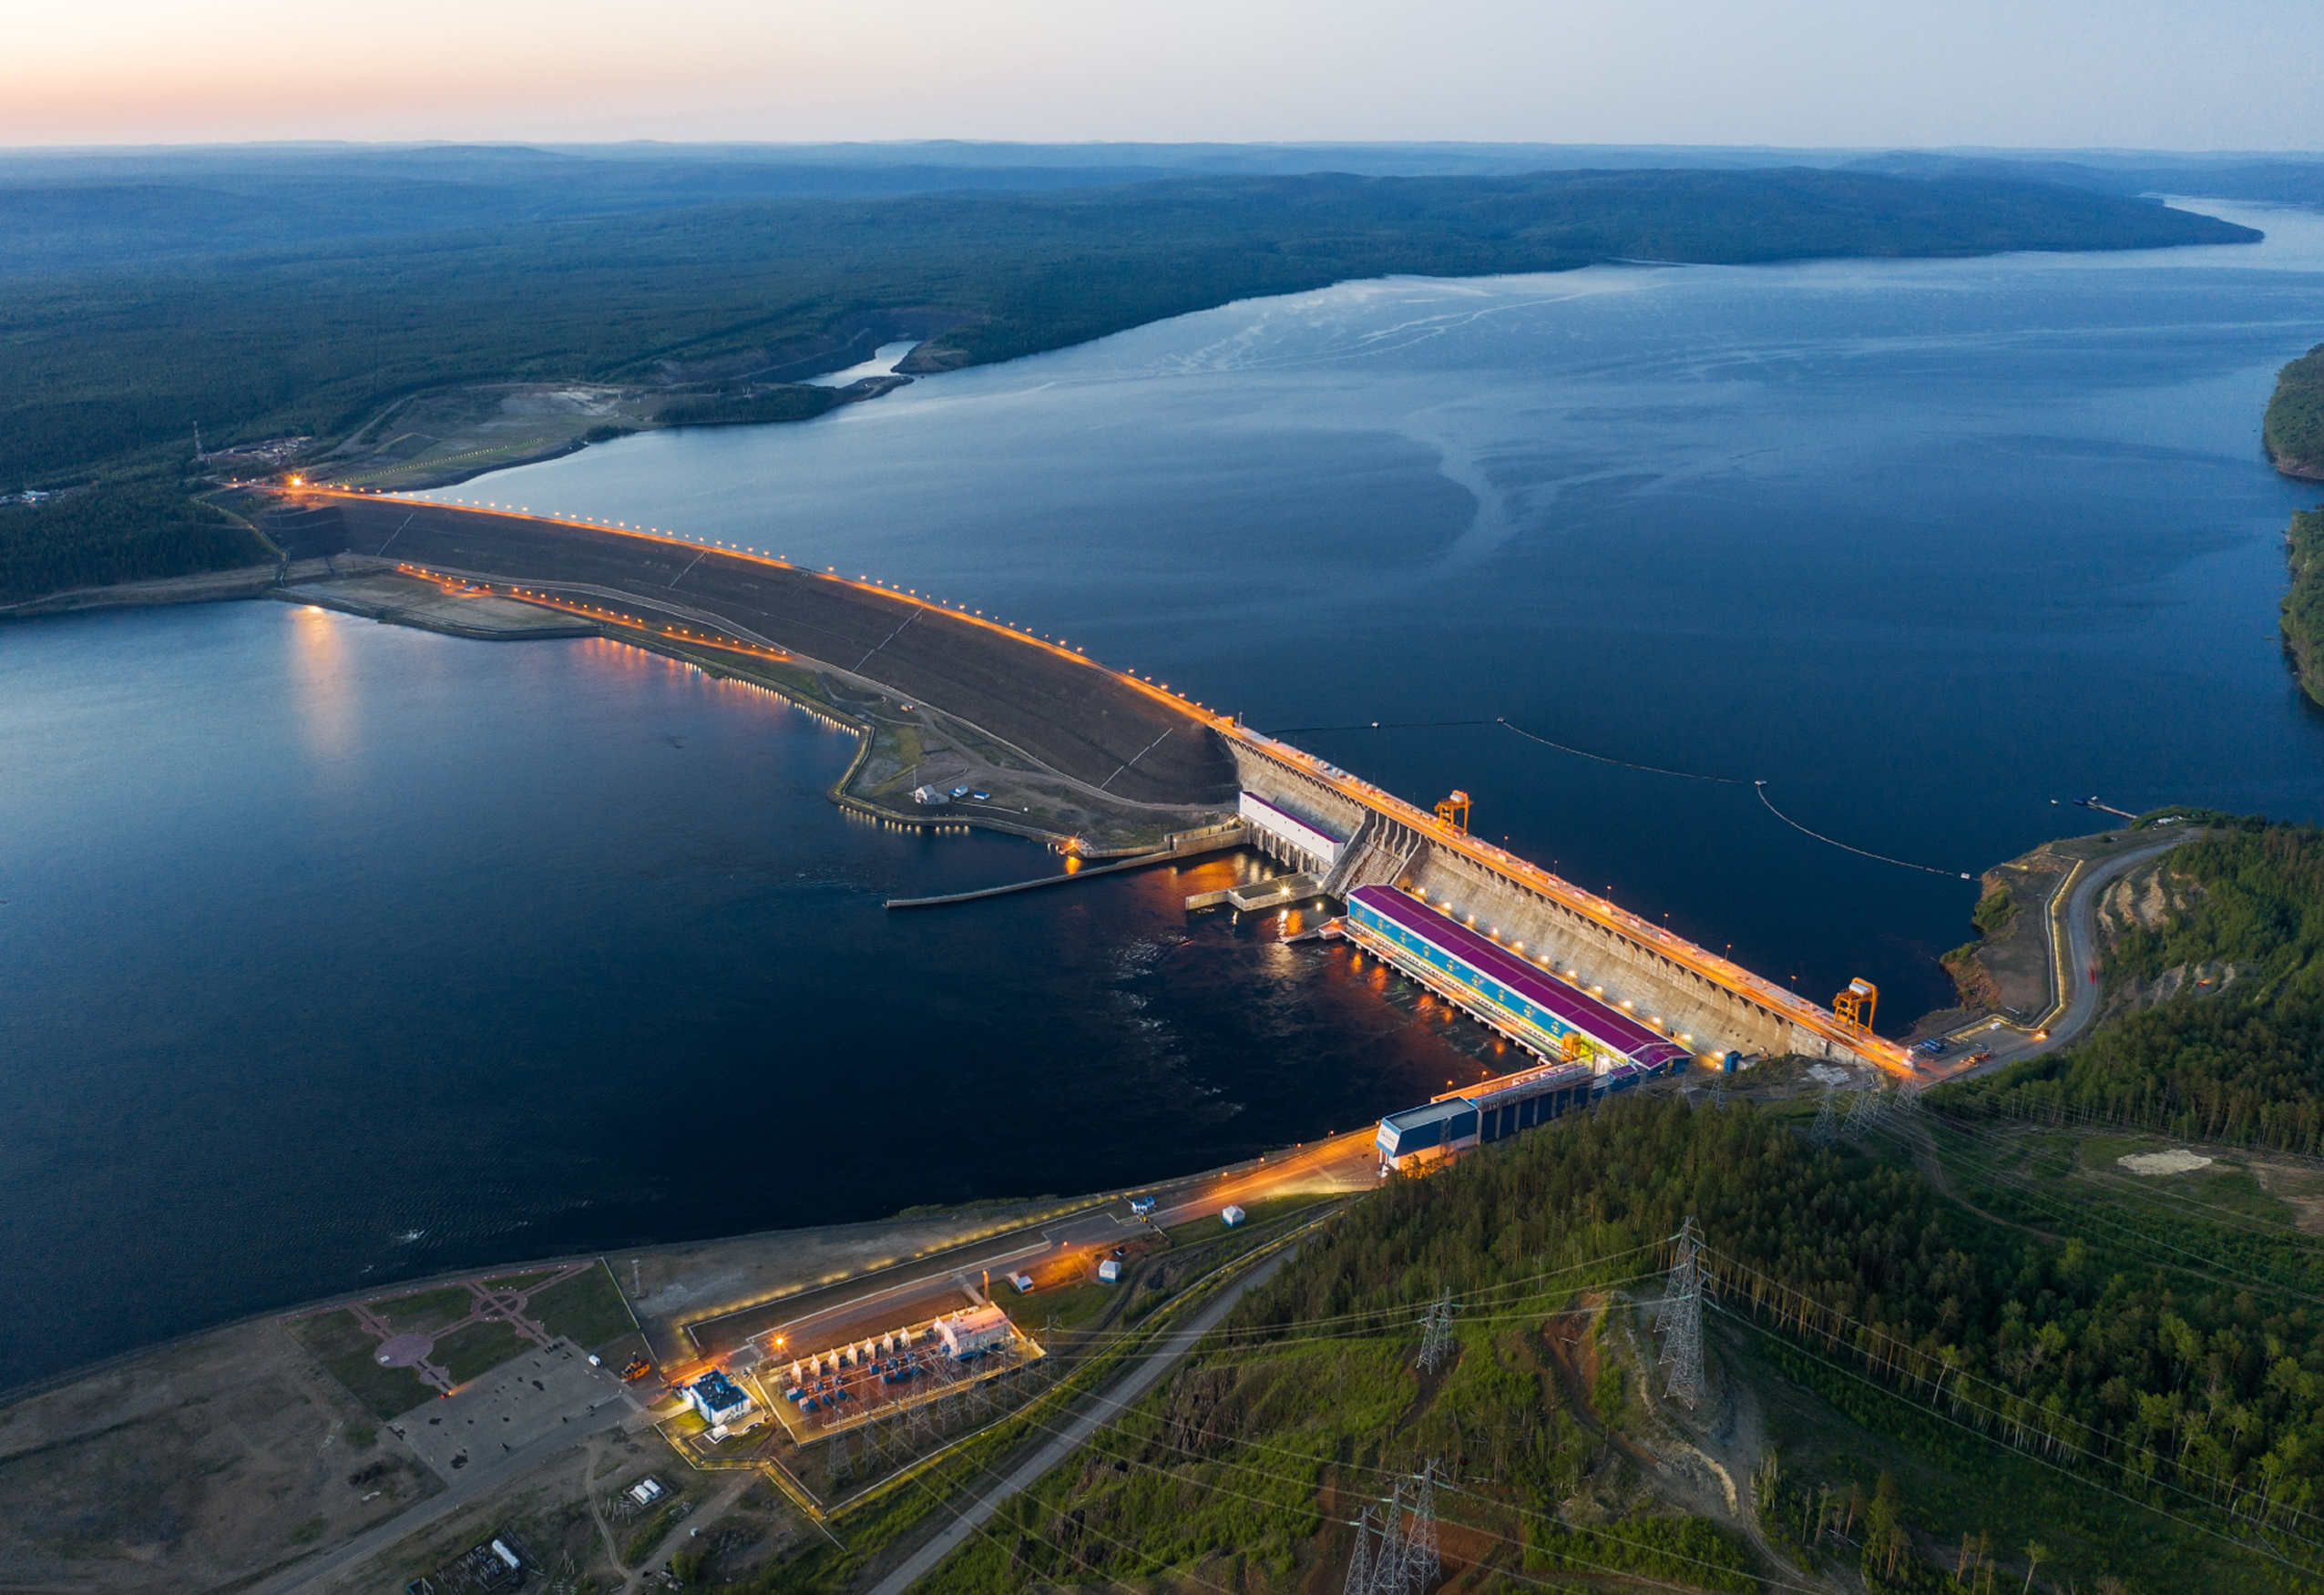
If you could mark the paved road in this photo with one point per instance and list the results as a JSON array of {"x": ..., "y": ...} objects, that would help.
[
  {"x": 1173, "y": 1347},
  {"x": 2083, "y": 992},
  {"x": 1344, "y": 1163}
]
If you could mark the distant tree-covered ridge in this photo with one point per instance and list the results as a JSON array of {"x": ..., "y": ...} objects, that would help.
[{"x": 111, "y": 370}]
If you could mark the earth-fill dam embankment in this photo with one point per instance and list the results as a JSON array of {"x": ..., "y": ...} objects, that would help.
[{"x": 1084, "y": 723}]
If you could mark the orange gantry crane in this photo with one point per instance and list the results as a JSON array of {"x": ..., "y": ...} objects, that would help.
[
  {"x": 1854, "y": 1006},
  {"x": 1454, "y": 811}
]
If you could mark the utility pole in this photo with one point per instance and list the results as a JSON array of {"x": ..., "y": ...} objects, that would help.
[{"x": 1680, "y": 1319}]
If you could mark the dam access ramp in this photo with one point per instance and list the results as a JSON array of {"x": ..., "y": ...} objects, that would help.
[{"x": 1348, "y": 834}]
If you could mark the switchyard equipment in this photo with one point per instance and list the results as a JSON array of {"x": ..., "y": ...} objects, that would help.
[
  {"x": 973, "y": 1330},
  {"x": 1554, "y": 1021}
]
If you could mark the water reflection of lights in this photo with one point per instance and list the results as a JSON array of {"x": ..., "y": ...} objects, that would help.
[{"x": 319, "y": 682}]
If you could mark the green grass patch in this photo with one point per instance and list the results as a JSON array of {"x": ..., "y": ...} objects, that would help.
[
  {"x": 1255, "y": 1213},
  {"x": 587, "y": 1309},
  {"x": 518, "y": 1281},
  {"x": 337, "y": 1342},
  {"x": 1071, "y": 1307},
  {"x": 651, "y": 1532},
  {"x": 477, "y": 1349},
  {"x": 1692, "y": 1552},
  {"x": 427, "y": 1310}
]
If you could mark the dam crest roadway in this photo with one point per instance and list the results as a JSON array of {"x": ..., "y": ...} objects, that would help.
[{"x": 1097, "y": 761}]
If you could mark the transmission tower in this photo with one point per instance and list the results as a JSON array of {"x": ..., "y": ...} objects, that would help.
[
  {"x": 1680, "y": 1319},
  {"x": 1719, "y": 1097},
  {"x": 1421, "y": 1564},
  {"x": 1359, "y": 1564},
  {"x": 1387, "y": 1558},
  {"x": 1828, "y": 1127},
  {"x": 1437, "y": 1346},
  {"x": 1861, "y": 1112},
  {"x": 842, "y": 1459}
]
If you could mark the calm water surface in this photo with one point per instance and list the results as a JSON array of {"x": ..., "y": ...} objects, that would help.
[
  {"x": 334, "y": 954},
  {"x": 1925, "y": 545}
]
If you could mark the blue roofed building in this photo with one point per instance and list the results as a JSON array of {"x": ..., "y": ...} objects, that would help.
[{"x": 717, "y": 1397}]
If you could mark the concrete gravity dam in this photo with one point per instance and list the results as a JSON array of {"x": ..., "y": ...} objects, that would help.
[{"x": 1101, "y": 763}]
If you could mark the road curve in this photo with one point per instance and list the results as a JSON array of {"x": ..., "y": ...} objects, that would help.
[
  {"x": 2077, "y": 1004},
  {"x": 1173, "y": 1347}
]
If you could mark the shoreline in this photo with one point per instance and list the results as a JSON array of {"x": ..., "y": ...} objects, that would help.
[
  {"x": 338, "y": 582},
  {"x": 950, "y": 1230}
]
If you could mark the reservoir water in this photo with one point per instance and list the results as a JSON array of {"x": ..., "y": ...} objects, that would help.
[{"x": 333, "y": 954}]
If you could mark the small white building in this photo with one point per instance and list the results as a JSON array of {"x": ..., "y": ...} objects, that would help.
[
  {"x": 973, "y": 1330},
  {"x": 1231, "y": 1215},
  {"x": 930, "y": 796},
  {"x": 1109, "y": 1272},
  {"x": 718, "y": 1398}
]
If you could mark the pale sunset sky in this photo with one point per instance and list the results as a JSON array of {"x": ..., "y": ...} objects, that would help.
[{"x": 2227, "y": 74}]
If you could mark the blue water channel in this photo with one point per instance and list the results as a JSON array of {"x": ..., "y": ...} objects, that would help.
[{"x": 333, "y": 954}]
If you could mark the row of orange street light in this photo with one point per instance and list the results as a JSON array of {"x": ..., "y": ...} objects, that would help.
[{"x": 1700, "y": 960}]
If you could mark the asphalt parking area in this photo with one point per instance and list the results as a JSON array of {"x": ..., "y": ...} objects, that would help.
[{"x": 538, "y": 1395}]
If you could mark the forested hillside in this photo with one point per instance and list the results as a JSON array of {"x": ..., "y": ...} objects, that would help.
[
  {"x": 112, "y": 368},
  {"x": 1973, "y": 1379},
  {"x": 2238, "y": 1059},
  {"x": 2294, "y": 426}
]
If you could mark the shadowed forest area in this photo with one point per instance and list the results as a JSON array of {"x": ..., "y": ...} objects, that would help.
[{"x": 137, "y": 304}]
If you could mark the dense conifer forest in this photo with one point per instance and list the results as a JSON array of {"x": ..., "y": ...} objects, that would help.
[{"x": 262, "y": 312}]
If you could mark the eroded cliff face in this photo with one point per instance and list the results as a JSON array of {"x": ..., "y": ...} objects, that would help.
[
  {"x": 2150, "y": 898},
  {"x": 2007, "y": 969}
]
